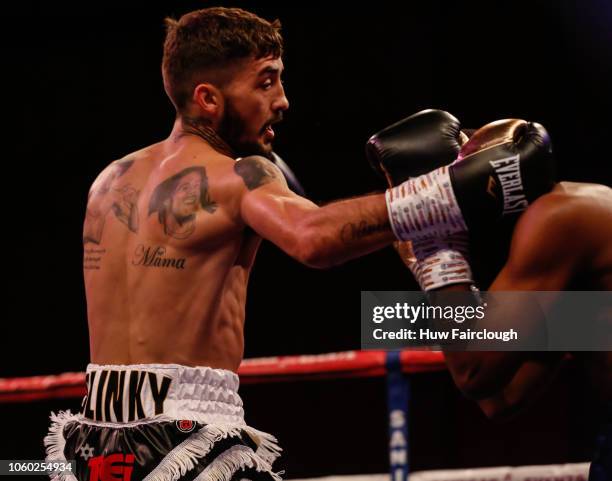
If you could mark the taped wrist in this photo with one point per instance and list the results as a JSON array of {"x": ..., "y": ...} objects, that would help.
[
  {"x": 441, "y": 262},
  {"x": 424, "y": 207}
]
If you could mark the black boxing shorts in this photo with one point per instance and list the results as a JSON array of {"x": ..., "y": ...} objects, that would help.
[{"x": 160, "y": 422}]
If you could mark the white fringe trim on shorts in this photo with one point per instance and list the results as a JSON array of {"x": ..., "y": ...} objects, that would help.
[
  {"x": 186, "y": 455},
  {"x": 55, "y": 443}
]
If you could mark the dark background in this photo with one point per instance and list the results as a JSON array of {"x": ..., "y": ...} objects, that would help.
[{"x": 88, "y": 90}]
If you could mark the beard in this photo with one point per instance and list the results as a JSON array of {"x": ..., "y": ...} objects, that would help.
[{"x": 231, "y": 129}]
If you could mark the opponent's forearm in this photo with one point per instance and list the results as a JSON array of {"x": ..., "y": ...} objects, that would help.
[
  {"x": 479, "y": 374},
  {"x": 346, "y": 229},
  {"x": 529, "y": 381}
]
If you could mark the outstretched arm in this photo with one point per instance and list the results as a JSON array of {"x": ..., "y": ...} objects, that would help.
[{"x": 316, "y": 236}]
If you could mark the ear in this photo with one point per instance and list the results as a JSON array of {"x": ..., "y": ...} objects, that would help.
[{"x": 209, "y": 98}]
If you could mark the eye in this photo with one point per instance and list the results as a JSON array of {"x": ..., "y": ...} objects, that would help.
[{"x": 267, "y": 84}]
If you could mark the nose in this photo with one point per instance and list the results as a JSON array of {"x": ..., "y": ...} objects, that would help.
[{"x": 281, "y": 103}]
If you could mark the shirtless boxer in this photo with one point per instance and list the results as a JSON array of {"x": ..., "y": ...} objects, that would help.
[
  {"x": 170, "y": 236},
  {"x": 563, "y": 241}
]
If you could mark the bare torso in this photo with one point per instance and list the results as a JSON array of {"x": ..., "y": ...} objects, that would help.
[
  {"x": 593, "y": 204},
  {"x": 562, "y": 242},
  {"x": 590, "y": 206},
  {"x": 167, "y": 258}
]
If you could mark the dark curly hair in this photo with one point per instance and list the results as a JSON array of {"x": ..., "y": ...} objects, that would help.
[{"x": 201, "y": 45}]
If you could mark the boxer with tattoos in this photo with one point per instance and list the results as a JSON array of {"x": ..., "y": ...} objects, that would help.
[{"x": 170, "y": 237}]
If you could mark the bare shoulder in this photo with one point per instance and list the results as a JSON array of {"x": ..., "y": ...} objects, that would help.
[
  {"x": 256, "y": 171},
  {"x": 570, "y": 206},
  {"x": 111, "y": 173},
  {"x": 120, "y": 167},
  {"x": 573, "y": 218}
]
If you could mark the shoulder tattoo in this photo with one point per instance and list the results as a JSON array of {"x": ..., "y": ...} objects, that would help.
[{"x": 257, "y": 171}]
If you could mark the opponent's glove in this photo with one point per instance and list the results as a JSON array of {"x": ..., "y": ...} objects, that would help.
[{"x": 500, "y": 170}]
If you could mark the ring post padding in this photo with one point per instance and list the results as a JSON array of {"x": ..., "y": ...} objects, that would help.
[{"x": 398, "y": 395}]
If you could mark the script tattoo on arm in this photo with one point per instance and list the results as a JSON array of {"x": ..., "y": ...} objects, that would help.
[
  {"x": 178, "y": 199},
  {"x": 257, "y": 171},
  {"x": 108, "y": 195},
  {"x": 352, "y": 232}
]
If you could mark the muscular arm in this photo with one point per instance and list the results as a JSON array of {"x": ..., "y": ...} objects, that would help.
[
  {"x": 531, "y": 379},
  {"x": 544, "y": 255},
  {"x": 316, "y": 236}
]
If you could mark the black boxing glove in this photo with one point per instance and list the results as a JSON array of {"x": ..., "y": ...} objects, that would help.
[
  {"x": 415, "y": 145},
  {"x": 411, "y": 147},
  {"x": 505, "y": 166}
]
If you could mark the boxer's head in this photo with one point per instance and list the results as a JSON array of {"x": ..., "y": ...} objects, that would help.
[{"x": 222, "y": 70}]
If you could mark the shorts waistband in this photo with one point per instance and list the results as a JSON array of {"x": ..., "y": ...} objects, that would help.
[{"x": 147, "y": 392}]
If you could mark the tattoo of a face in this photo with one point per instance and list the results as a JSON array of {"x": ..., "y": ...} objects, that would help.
[
  {"x": 195, "y": 126},
  {"x": 351, "y": 232},
  {"x": 108, "y": 195},
  {"x": 256, "y": 171},
  {"x": 178, "y": 199}
]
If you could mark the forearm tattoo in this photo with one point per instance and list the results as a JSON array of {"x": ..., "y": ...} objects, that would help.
[{"x": 351, "y": 232}]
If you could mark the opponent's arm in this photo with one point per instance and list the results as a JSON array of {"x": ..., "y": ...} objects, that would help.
[
  {"x": 316, "y": 236},
  {"x": 544, "y": 255},
  {"x": 531, "y": 379}
]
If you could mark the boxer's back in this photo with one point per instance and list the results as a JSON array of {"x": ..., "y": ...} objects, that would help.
[
  {"x": 586, "y": 212},
  {"x": 166, "y": 258},
  {"x": 577, "y": 223},
  {"x": 562, "y": 242}
]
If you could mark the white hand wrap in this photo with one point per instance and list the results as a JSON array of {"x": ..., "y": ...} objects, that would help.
[
  {"x": 441, "y": 262},
  {"x": 424, "y": 207}
]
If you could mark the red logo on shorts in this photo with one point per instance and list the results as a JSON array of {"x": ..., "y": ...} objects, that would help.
[
  {"x": 185, "y": 426},
  {"x": 114, "y": 467}
]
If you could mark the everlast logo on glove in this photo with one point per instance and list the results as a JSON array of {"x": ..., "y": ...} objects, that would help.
[
  {"x": 124, "y": 396},
  {"x": 508, "y": 172}
]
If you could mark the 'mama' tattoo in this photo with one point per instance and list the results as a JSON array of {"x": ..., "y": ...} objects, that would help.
[
  {"x": 106, "y": 196},
  {"x": 255, "y": 171},
  {"x": 156, "y": 257},
  {"x": 178, "y": 199},
  {"x": 352, "y": 232}
]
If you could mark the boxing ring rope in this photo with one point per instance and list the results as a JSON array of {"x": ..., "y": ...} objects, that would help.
[
  {"x": 252, "y": 371},
  {"x": 396, "y": 366},
  {"x": 393, "y": 365}
]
